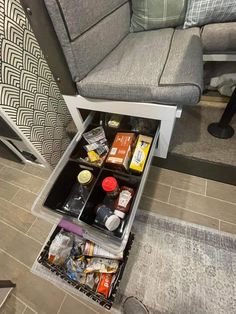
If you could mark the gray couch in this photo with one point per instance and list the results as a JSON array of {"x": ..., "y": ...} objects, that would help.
[
  {"x": 219, "y": 38},
  {"x": 107, "y": 61},
  {"x": 100, "y": 65}
]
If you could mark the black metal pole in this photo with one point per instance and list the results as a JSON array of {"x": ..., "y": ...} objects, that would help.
[{"x": 222, "y": 129}]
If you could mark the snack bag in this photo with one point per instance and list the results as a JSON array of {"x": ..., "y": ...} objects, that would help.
[
  {"x": 75, "y": 268},
  {"x": 92, "y": 280},
  {"x": 60, "y": 248},
  {"x": 97, "y": 147},
  {"x": 105, "y": 284},
  {"x": 93, "y": 250},
  {"x": 101, "y": 265}
]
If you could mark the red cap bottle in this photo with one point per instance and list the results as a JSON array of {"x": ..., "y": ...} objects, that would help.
[{"x": 111, "y": 187}]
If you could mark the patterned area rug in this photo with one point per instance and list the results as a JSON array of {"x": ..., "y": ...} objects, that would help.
[
  {"x": 175, "y": 268},
  {"x": 179, "y": 268}
]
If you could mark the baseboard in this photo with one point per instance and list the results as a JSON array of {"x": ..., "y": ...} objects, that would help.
[{"x": 201, "y": 168}]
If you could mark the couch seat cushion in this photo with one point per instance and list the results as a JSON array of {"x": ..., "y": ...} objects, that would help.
[
  {"x": 219, "y": 38},
  {"x": 161, "y": 66}
]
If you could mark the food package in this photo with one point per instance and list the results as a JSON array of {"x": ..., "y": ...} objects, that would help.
[
  {"x": 97, "y": 147},
  {"x": 115, "y": 121},
  {"x": 60, "y": 248},
  {"x": 92, "y": 280},
  {"x": 78, "y": 247},
  {"x": 93, "y": 156},
  {"x": 140, "y": 153},
  {"x": 75, "y": 269},
  {"x": 93, "y": 250},
  {"x": 120, "y": 153},
  {"x": 104, "y": 284},
  {"x": 101, "y": 265}
]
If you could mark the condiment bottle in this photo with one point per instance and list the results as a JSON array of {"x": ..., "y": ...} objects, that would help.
[
  {"x": 106, "y": 217},
  {"x": 86, "y": 180},
  {"x": 123, "y": 202},
  {"x": 111, "y": 187}
]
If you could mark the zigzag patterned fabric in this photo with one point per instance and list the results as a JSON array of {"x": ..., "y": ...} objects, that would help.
[
  {"x": 28, "y": 92},
  {"x": 202, "y": 12}
]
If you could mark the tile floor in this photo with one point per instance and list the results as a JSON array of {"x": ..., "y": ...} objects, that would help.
[{"x": 169, "y": 193}]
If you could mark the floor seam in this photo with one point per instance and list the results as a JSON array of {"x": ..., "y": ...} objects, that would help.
[
  {"x": 15, "y": 259},
  {"x": 21, "y": 187},
  {"x": 31, "y": 225},
  {"x": 13, "y": 194},
  {"x": 63, "y": 300},
  {"x": 17, "y": 230},
  {"x": 81, "y": 301},
  {"x": 206, "y": 187},
  {"x": 25, "y": 304},
  {"x": 22, "y": 170},
  {"x": 168, "y": 200},
  {"x": 175, "y": 187},
  {"x": 207, "y": 196},
  {"x": 14, "y": 204},
  {"x": 183, "y": 208}
]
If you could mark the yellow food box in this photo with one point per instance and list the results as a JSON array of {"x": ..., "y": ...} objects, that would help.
[{"x": 140, "y": 153}]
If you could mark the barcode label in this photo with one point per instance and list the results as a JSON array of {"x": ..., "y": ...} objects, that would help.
[{"x": 113, "y": 151}]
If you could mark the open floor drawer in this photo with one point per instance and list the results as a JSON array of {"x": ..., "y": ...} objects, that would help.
[
  {"x": 50, "y": 204},
  {"x": 58, "y": 274}
]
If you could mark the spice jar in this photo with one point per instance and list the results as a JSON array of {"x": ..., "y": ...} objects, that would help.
[
  {"x": 111, "y": 187},
  {"x": 123, "y": 202},
  {"x": 106, "y": 217}
]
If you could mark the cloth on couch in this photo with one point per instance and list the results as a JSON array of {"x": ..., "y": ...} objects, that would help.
[
  {"x": 224, "y": 84},
  {"x": 149, "y": 14},
  {"x": 219, "y": 38},
  {"x": 161, "y": 66},
  {"x": 202, "y": 12}
]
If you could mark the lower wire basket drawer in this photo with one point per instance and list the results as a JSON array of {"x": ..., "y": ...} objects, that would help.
[{"x": 91, "y": 294}]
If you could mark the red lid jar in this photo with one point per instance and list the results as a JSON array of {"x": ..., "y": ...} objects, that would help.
[{"x": 111, "y": 187}]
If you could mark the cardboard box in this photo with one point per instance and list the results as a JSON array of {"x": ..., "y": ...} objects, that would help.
[
  {"x": 120, "y": 153},
  {"x": 140, "y": 153}
]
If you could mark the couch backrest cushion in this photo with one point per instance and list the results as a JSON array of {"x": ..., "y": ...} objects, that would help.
[
  {"x": 154, "y": 14},
  {"x": 88, "y": 30},
  {"x": 202, "y": 12}
]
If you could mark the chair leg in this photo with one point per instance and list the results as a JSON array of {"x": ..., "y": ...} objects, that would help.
[
  {"x": 166, "y": 130},
  {"x": 222, "y": 129}
]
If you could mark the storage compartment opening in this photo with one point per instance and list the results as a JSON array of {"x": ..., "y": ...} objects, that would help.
[
  {"x": 62, "y": 183},
  {"x": 98, "y": 196},
  {"x": 60, "y": 271},
  {"x": 66, "y": 184},
  {"x": 127, "y": 124}
]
